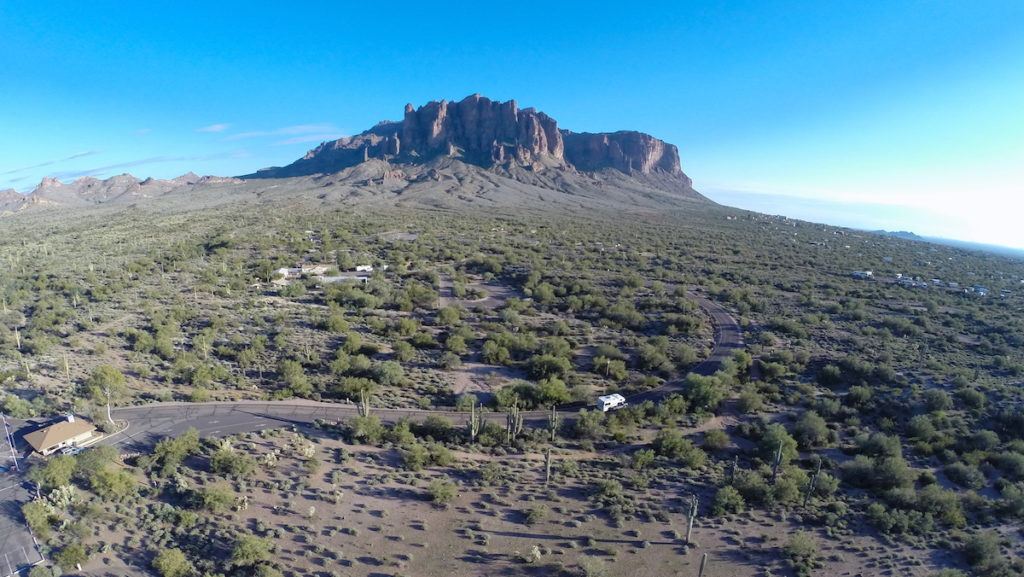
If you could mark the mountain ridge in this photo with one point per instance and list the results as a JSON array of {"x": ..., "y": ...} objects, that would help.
[
  {"x": 490, "y": 134},
  {"x": 475, "y": 151}
]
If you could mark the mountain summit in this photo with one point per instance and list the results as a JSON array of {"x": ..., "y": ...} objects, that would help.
[{"x": 489, "y": 134}]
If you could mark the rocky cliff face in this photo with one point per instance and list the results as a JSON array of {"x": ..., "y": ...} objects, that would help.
[
  {"x": 483, "y": 131},
  {"x": 625, "y": 151},
  {"x": 488, "y": 133}
]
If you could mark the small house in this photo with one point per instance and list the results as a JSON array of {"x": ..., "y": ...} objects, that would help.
[
  {"x": 364, "y": 268},
  {"x": 69, "y": 432},
  {"x": 863, "y": 274}
]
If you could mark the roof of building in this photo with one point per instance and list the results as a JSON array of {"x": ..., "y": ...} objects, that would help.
[{"x": 57, "y": 433}]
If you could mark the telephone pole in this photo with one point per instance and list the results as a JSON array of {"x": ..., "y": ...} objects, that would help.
[{"x": 10, "y": 442}]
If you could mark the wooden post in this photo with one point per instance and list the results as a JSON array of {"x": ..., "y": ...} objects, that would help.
[{"x": 703, "y": 565}]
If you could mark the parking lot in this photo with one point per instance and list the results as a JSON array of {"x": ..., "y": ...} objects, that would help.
[{"x": 18, "y": 550}]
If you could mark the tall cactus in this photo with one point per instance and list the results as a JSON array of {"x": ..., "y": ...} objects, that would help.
[
  {"x": 812, "y": 483},
  {"x": 513, "y": 424},
  {"x": 776, "y": 462},
  {"x": 692, "y": 517},
  {"x": 474, "y": 422},
  {"x": 547, "y": 466},
  {"x": 364, "y": 403},
  {"x": 553, "y": 423}
]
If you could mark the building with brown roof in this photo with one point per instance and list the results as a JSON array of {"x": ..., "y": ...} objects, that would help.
[{"x": 71, "y": 432}]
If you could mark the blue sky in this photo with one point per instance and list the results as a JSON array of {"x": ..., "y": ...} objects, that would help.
[{"x": 897, "y": 114}]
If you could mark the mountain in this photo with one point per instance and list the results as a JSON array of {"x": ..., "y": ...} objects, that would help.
[
  {"x": 904, "y": 234},
  {"x": 89, "y": 191},
  {"x": 474, "y": 153},
  {"x": 498, "y": 136}
]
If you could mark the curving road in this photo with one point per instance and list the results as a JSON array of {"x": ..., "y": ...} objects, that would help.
[{"x": 148, "y": 423}]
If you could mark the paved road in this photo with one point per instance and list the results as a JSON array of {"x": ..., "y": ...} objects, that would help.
[{"x": 148, "y": 423}]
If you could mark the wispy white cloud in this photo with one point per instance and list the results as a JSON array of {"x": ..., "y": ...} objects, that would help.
[
  {"x": 221, "y": 127},
  {"x": 50, "y": 162},
  {"x": 309, "y": 138},
  {"x": 99, "y": 170},
  {"x": 295, "y": 130}
]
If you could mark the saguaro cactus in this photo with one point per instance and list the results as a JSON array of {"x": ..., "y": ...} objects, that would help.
[
  {"x": 547, "y": 466},
  {"x": 553, "y": 423},
  {"x": 692, "y": 517},
  {"x": 513, "y": 424},
  {"x": 364, "y": 403},
  {"x": 474, "y": 422},
  {"x": 812, "y": 483},
  {"x": 776, "y": 462}
]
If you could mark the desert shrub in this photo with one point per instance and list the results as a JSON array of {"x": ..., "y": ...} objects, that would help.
[
  {"x": 750, "y": 401},
  {"x": 811, "y": 430},
  {"x": 802, "y": 551},
  {"x": 727, "y": 500},
  {"x": 441, "y": 491},
  {"x": 716, "y": 439},
  {"x": 965, "y": 475},
  {"x": 230, "y": 463},
  {"x": 937, "y": 400},
  {"x": 981, "y": 551},
  {"x": 172, "y": 563},
  {"x": 672, "y": 444},
  {"x": 772, "y": 438}
]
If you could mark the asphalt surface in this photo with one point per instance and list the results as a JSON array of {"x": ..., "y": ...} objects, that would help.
[
  {"x": 18, "y": 549},
  {"x": 149, "y": 423}
]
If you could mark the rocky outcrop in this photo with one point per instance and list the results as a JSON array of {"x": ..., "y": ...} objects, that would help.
[
  {"x": 482, "y": 131},
  {"x": 488, "y": 133},
  {"x": 625, "y": 151}
]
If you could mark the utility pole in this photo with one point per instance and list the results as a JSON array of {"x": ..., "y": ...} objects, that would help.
[{"x": 10, "y": 442}]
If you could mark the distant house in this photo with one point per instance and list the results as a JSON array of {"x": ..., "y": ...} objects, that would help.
[
  {"x": 343, "y": 277},
  {"x": 364, "y": 268},
  {"x": 286, "y": 272},
  {"x": 863, "y": 274},
  {"x": 70, "y": 432},
  {"x": 314, "y": 269},
  {"x": 979, "y": 290}
]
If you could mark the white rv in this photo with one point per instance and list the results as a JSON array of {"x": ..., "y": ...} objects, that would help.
[{"x": 611, "y": 402}]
